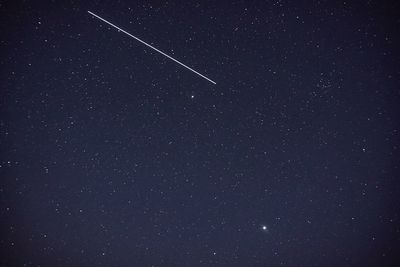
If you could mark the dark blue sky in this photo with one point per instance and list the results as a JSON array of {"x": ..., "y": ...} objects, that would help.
[{"x": 113, "y": 155}]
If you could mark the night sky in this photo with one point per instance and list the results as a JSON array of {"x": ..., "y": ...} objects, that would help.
[{"x": 113, "y": 155}]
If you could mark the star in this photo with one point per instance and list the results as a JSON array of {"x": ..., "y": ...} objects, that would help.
[{"x": 264, "y": 228}]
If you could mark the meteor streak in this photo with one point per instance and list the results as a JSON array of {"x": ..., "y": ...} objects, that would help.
[{"x": 152, "y": 47}]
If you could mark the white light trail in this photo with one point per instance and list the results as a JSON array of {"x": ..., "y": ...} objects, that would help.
[{"x": 152, "y": 47}]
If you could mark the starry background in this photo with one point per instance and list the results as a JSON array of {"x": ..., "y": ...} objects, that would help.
[{"x": 113, "y": 155}]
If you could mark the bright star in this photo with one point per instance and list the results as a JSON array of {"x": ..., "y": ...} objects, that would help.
[{"x": 264, "y": 228}]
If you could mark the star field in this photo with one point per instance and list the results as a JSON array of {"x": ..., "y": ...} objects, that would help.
[{"x": 113, "y": 155}]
